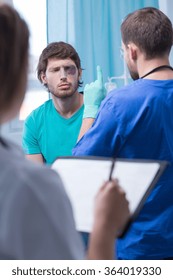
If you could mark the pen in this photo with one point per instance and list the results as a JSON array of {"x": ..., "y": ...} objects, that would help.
[{"x": 111, "y": 171}]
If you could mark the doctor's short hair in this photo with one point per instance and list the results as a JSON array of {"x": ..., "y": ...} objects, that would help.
[
  {"x": 14, "y": 41},
  {"x": 59, "y": 50},
  {"x": 150, "y": 30}
]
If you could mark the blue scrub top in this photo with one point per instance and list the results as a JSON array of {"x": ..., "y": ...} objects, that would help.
[{"x": 136, "y": 121}]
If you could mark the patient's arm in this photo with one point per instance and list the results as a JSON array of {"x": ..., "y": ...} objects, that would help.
[
  {"x": 35, "y": 157},
  {"x": 86, "y": 124}
]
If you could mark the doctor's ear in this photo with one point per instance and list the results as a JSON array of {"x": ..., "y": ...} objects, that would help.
[{"x": 133, "y": 51}]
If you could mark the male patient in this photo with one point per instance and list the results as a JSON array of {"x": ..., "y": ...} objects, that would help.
[{"x": 52, "y": 129}]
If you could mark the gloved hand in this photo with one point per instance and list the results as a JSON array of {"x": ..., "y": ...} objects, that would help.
[{"x": 94, "y": 93}]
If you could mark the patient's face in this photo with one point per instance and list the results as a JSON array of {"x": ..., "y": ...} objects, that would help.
[{"x": 61, "y": 77}]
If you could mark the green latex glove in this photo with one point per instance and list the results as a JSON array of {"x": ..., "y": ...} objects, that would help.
[{"x": 94, "y": 93}]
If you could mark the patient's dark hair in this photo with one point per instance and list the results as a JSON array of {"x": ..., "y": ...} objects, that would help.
[
  {"x": 150, "y": 30},
  {"x": 14, "y": 41}
]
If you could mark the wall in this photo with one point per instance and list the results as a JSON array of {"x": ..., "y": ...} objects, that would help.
[{"x": 166, "y": 6}]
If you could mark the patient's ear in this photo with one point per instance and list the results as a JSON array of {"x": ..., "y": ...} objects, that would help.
[
  {"x": 43, "y": 78},
  {"x": 80, "y": 74}
]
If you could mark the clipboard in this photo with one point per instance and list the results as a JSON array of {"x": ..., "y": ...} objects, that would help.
[{"x": 83, "y": 176}]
